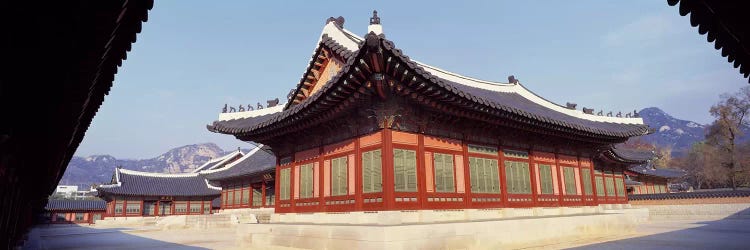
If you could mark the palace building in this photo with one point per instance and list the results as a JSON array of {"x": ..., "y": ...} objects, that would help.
[
  {"x": 74, "y": 211},
  {"x": 135, "y": 194},
  {"x": 247, "y": 182},
  {"x": 652, "y": 180},
  {"x": 235, "y": 180},
  {"x": 368, "y": 128}
]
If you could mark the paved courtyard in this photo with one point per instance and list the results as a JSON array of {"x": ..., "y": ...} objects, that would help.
[
  {"x": 688, "y": 234},
  {"x": 682, "y": 234},
  {"x": 82, "y": 237}
]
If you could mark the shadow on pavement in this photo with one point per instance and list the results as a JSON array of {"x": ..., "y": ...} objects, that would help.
[
  {"x": 730, "y": 233},
  {"x": 73, "y": 236}
]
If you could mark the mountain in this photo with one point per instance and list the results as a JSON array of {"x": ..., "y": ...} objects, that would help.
[
  {"x": 676, "y": 133},
  {"x": 84, "y": 171}
]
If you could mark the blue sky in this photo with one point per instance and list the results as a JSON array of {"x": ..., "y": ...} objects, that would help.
[{"x": 192, "y": 57}]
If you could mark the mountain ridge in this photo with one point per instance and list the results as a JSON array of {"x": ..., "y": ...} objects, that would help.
[
  {"x": 673, "y": 132},
  {"x": 96, "y": 169}
]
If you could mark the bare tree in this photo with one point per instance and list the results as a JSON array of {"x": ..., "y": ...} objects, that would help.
[
  {"x": 702, "y": 167},
  {"x": 664, "y": 159},
  {"x": 731, "y": 115}
]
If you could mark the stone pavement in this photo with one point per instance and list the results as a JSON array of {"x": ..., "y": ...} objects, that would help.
[
  {"x": 684, "y": 234},
  {"x": 85, "y": 237},
  {"x": 674, "y": 234}
]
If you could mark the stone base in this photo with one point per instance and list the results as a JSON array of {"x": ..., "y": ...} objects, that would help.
[
  {"x": 485, "y": 229},
  {"x": 431, "y": 216},
  {"x": 172, "y": 221}
]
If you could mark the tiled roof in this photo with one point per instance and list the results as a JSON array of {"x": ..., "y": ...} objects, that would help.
[
  {"x": 691, "y": 195},
  {"x": 633, "y": 154},
  {"x": 629, "y": 182},
  {"x": 256, "y": 162},
  {"x": 509, "y": 100},
  {"x": 647, "y": 169},
  {"x": 217, "y": 162},
  {"x": 151, "y": 184},
  {"x": 67, "y": 205}
]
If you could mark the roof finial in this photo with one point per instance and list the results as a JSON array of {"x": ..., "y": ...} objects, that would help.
[
  {"x": 375, "y": 26},
  {"x": 374, "y": 19}
]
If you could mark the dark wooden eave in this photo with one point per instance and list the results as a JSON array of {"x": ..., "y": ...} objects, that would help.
[
  {"x": 59, "y": 61},
  {"x": 726, "y": 24}
]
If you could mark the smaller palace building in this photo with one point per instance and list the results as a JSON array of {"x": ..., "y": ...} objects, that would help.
[
  {"x": 74, "y": 211},
  {"x": 233, "y": 181},
  {"x": 247, "y": 182},
  {"x": 134, "y": 193},
  {"x": 651, "y": 180}
]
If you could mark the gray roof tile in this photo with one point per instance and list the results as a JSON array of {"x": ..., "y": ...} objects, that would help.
[
  {"x": 68, "y": 205},
  {"x": 155, "y": 185}
]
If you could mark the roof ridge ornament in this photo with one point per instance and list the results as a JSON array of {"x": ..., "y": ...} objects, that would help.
[
  {"x": 339, "y": 21},
  {"x": 375, "y": 26},
  {"x": 374, "y": 19},
  {"x": 512, "y": 79}
]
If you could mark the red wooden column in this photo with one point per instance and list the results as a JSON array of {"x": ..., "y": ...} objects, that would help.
[
  {"x": 467, "y": 174},
  {"x": 358, "y": 200},
  {"x": 558, "y": 172},
  {"x": 421, "y": 173},
  {"x": 592, "y": 179},
  {"x": 504, "y": 200},
  {"x": 533, "y": 174},
  {"x": 387, "y": 162},
  {"x": 277, "y": 185},
  {"x": 579, "y": 177},
  {"x": 319, "y": 164},
  {"x": 263, "y": 194}
]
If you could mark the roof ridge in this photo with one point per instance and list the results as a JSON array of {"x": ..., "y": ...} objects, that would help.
[
  {"x": 234, "y": 163},
  {"x": 150, "y": 174}
]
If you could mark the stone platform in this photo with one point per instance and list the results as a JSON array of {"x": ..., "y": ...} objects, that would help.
[{"x": 431, "y": 229}]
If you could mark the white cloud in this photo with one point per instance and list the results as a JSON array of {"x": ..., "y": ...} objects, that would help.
[{"x": 646, "y": 30}]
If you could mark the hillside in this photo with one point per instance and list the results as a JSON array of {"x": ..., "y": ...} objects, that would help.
[
  {"x": 84, "y": 171},
  {"x": 673, "y": 132}
]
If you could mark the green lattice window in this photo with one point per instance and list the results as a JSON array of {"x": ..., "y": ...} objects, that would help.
[
  {"x": 338, "y": 176},
  {"x": 600, "y": 186},
  {"x": 484, "y": 175},
  {"x": 444, "y": 181},
  {"x": 257, "y": 197},
  {"x": 545, "y": 179},
  {"x": 517, "y": 177},
  {"x": 372, "y": 172},
  {"x": 620, "y": 187},
  {"x": 405, "y": 170},
  {"x": 610, "y": 186},
  {"x": 306, "y": 181},
  {"x": 285, "y": 182},
  {"x": 587, "y": 189},
  {"x": 569, "y": 175}
]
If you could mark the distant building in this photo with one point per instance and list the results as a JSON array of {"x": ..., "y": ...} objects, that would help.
[
  {"x": 651, "y": 180},
  {"x": 247, "y": 182},
  {"x": 74, "y": 211},
  {"x": 134, "y": 193},
  {"x": 66, "y": 191}
]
